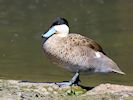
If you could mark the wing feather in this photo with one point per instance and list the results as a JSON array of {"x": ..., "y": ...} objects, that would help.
[{"x": 79, "y": 40}]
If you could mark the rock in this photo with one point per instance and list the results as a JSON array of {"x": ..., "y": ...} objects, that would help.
[
  {"x": 50, "y": 89},
  {"x": 110, "y": 88},
  {"x": 16, "y": 90}
]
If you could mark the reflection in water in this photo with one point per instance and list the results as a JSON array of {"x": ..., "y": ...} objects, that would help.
[{"x": 22, "y": 23}]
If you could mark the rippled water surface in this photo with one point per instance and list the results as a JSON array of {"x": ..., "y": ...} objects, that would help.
[{"x": 109, "y": 22}]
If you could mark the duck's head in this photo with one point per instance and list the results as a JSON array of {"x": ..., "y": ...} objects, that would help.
[{"x": 59, "y": 27}]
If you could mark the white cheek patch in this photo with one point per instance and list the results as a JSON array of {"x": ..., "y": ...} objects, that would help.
[
  {"x": 98, "y": 55},
  {"x": 62, "y": 30}
]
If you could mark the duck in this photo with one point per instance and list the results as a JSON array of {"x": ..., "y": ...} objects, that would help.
[{"x": 75, "y": 52}]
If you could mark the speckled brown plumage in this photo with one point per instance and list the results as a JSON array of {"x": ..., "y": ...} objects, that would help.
[
  {"x": 76, "y": 52},
  {"x": 79, "y": 40}
]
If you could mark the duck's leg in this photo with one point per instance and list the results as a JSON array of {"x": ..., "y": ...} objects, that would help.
[{"x": 75, "y": 80}]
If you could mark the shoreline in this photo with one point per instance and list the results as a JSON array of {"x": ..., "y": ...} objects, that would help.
[{"x": 16, "y": 90}]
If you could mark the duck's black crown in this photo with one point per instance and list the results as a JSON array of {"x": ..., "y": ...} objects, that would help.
[{"x": 59, "y": 21}]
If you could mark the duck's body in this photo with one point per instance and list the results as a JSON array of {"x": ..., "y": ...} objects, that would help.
[{"x": 75, "y": 52}]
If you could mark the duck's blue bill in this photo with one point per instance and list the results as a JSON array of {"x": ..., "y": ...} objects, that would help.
[{"x": 50, "y": 32}]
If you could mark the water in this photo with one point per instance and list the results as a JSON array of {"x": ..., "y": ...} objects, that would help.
[{"x": 22, "y": 22}]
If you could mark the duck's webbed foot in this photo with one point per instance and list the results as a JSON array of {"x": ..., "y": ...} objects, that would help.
[{"x": 75, "y": 80}]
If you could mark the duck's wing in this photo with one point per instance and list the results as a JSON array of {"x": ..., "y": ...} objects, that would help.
[
  {"x": 87, "y": 55},
  {"x": 79, "y": 40}
]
